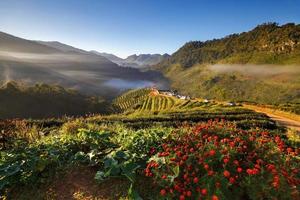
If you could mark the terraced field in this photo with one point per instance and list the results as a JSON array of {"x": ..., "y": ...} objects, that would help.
[
  {"x": 143, "y": 101},
  {"x": 139, "y": 107},
  {"x": 165, "y": 103},
  {"x": 129, "y": 99}
]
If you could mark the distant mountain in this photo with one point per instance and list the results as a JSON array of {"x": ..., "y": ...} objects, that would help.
[
  {"x": 249, "y": 66},
  {"x": 32, "y": 62},
  {"x": 145, "y": 60},
  {"x": 136, "y": 61},
  {"x": 110, "y": 57}
]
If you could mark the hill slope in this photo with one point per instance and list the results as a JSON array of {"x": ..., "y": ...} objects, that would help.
[
  {"x": 14, "y": 44},
  {"x": 32, "y": 62},
  {"x": 266, "y": 44},
  {"x": 250, "y": 66},
  {"x": 43, "y": 101}
]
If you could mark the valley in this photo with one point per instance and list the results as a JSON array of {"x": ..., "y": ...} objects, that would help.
[{"x": 216, "y": 119}]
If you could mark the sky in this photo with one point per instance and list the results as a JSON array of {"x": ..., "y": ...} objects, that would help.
[{"x": 126, "y": 27}]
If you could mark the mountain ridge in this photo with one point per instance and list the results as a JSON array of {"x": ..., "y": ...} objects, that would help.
[
  {"x": 136, "y": 61},
  {"x": 260, "y": 45}
]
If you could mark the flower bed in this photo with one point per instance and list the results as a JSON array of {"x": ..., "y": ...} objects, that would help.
[{"x": 216, "y": 160}]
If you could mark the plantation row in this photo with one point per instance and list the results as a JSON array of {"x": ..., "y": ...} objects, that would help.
[
  {"x": 161, "y": 103},
  {"x": 129, "y": 99},
  {"x": 143, "y": 101}
]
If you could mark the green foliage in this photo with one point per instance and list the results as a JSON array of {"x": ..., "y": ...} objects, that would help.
[
  {"x": 27, "y": 163},
  {"x": 44, "y": 101},
  {"x": 118, "y": 163},
  {"x": 140, "y": 142}
]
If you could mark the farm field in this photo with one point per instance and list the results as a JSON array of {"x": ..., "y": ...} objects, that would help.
[{"x": 182, "y": 149}]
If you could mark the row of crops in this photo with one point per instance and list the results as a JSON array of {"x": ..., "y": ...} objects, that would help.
[
  {"x": 141, "y": 100},
  {"x": 129, "y": 99},
  {"x": 160, "y": 103}
]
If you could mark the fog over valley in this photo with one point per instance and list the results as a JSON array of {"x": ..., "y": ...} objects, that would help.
[
  {"x": 256, "y": 70},
  {"x": 57, "y": 63}
]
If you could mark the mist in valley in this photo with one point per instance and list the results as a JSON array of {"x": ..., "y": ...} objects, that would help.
[
  {"x": 88, "y": 73},
  {"x": 256, "y": 70}
]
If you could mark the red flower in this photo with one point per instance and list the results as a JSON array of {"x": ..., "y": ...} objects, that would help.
[
  {"x": 185, "y": 176},
  {"x": 163, "y": 192},
  {"x": 212, "y": 152},
  {"x": 226, "y": 173},
  {"x": 239, "y": 170},
  {"x": 188, "y": 193},
  {"x": 214, "y": 197},
  {"x": 182, "y": 197},
  {"x": 206, "y": 166},
  {"x": 231, "y": 180},
  {"x": 225, "y": 160},
  {"x": 236, "y": 162},
  {"x": 185, "y": 157},
  {"x": 204, "y": 192},
  {"x": 211, "y": 172},
  {"x": 249, "y": 171},
  {"x": 196, "y": 180}
]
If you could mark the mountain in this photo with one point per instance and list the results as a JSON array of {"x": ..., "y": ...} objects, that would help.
[
  {"x": 268, "y": 43},
  {"x": 11, "y": 43},
  {"x": 136, "y": 61},
  {"x": 62, "y": 47},
  {"x": 261, "y": 65},
  {"x": 111, "y": 57},
  {"x": 31, "y": 62},
  {"x": 145, "y": 60}
]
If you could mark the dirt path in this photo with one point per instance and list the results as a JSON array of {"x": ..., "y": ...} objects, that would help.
[{"x": 284, "y": 121}]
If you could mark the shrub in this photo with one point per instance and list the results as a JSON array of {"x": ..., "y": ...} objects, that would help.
[
  {"x": 72, "y": 127},
  {"x": 216, "y": 160}
]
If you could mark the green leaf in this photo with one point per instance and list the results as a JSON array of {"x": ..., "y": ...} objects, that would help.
[
  {"x": 121, "y": 155},
  {"x": 133, "y": 195},
  {"x": 41, "y": 165},
  {"x": 110, "y": 162},
  {"x": 130, "y": 167},
  {"x": 114, "y": 171},
  {"x": 130, "y": 176},
  {"x": 100, "y": 176},
  {"x": 176, "y": 171}
]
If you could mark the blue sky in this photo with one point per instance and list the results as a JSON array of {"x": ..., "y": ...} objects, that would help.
[{"x": 125, "y": 27}]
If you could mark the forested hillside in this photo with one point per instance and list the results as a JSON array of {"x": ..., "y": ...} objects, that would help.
[
  {"x": 268, "y": 43},
  {"x": 261, "y": 65},
  {"x": 41, "y": 101}
]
